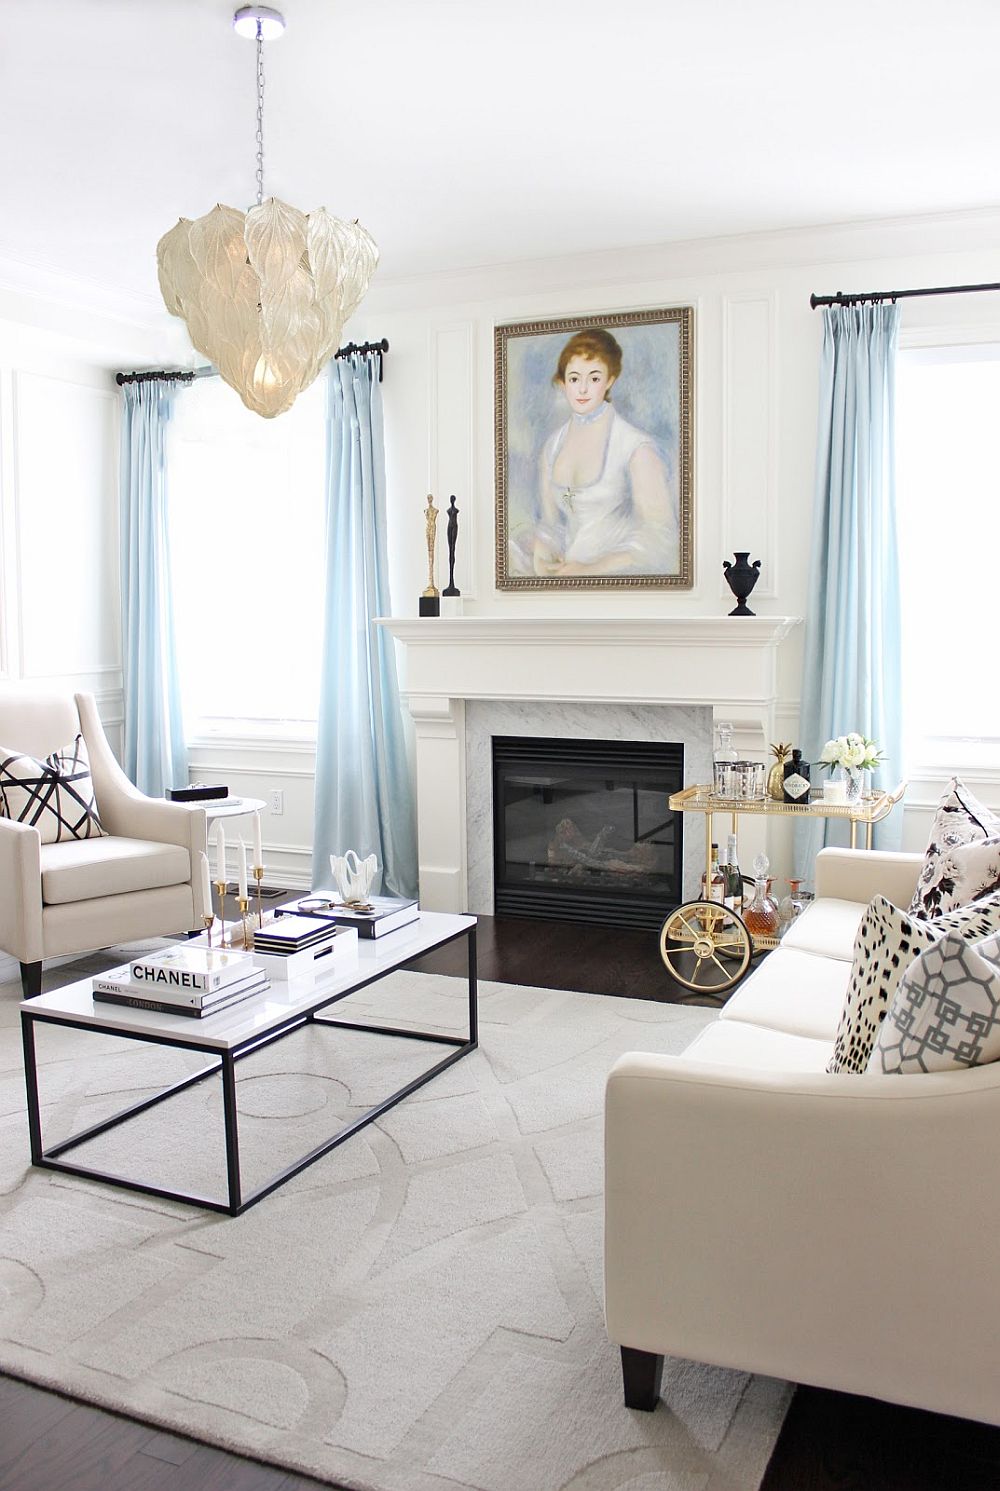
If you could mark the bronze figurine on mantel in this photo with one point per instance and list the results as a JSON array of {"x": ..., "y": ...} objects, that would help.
[
  {"x": 451, "y": 588},
  {"x": 430, "y": 596},
  {"x": 741, "y": 578}
]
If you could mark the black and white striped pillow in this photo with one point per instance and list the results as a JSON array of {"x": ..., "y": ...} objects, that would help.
[{"x": 56, "y": 795}]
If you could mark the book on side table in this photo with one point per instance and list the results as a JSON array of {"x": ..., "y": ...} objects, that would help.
[
  {"x": 188, "y": 980},
  {"x": 382, "y": 914}
]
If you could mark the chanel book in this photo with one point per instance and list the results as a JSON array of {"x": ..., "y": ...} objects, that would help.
[{"x": 192, "y": 967}]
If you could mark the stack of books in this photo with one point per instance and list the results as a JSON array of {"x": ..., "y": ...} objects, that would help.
[
  {"x": 292, "y": 945},
  {"x": 381, "y": 914},
  {"x": 188, "y": 980}
]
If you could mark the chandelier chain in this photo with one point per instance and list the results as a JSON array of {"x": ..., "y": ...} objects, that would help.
[{"x": 260, "y": 115}]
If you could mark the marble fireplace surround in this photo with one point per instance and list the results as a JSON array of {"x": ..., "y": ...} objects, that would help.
[{"x": 468, "y": 678}]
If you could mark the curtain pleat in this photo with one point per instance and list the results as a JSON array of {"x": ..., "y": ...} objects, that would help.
[
  {"x": 852, "y": 664},
  {"x": 364, "y": 797},
  {"x": 155, "y": 753}
]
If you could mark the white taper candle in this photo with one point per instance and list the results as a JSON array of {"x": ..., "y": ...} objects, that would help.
[
  {"x": 258, "y": 852},
  {"x": 242, "y": 862},
  {"x": 220, "y": 853}
]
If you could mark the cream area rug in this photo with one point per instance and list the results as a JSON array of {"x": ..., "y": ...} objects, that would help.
[{"x": 421, "y": 1310}]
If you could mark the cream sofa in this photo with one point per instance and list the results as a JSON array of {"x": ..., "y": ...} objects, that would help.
[
  {"x": 141, "y": 880},
  {"x": 843, "y": 1230}
]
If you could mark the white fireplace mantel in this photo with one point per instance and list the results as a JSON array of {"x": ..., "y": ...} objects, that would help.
[{"x": 726, "y": 663}]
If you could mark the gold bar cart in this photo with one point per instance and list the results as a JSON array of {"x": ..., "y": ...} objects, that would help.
[{"x": 707, "y": 947}]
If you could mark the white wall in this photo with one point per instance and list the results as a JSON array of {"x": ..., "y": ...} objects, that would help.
[
  {"x": 59, "y": 610},
  {"x": 756, "y": 389}
]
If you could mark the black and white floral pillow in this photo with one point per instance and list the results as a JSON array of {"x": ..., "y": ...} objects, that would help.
[
  {"x": 946, "y": 1013},
  {"x": 949, "y": 878},
  {"x": 888, "y": 941},
  {"x": 55, "y": 795}
]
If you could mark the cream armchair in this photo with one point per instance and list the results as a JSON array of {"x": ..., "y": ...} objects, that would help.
[{"x": 141, "y": 880}]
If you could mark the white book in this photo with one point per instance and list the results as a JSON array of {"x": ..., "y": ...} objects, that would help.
[
  {"x": 189, "y": 966},
  {"x": 119, "y": 981}
]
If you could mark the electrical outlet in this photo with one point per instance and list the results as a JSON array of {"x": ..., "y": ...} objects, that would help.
[{"x": 277, "y": 801}]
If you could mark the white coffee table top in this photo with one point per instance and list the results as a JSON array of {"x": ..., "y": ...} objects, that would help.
[{"x": 358, "y": 964}]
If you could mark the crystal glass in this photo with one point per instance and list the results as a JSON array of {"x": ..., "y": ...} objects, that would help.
[{"x": 791, "y": 906}]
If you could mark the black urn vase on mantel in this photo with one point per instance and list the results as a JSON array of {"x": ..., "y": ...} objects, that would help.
[{"x": 741, "y": 578}]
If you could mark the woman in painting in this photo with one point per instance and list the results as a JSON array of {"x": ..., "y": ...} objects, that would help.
[{"x": 608, "y": 505}]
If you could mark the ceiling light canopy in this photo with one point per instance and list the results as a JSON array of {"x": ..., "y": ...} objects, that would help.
[{"x": 265, "y": 294}]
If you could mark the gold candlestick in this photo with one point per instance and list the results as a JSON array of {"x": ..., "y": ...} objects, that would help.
[
  {"x": 244, "y": 905},
  {"x": 258, "y": 875},
  {"x": 220, "y": 886},
  {"x": 209, "y": 919}
]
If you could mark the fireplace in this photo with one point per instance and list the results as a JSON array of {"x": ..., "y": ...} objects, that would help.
[{"x": 582, "y": 830}]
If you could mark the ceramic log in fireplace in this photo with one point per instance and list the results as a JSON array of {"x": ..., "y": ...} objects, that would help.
[{"x": 582, "y": 830}]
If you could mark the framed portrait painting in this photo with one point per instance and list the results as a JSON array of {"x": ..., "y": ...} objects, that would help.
[{"x": 593, "y": 451}]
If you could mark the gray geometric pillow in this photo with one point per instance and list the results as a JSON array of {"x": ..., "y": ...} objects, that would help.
[
  {"x": 888, "y": 940},
  {"x": 960, "y": 819},
  {"x": 56, "y": 795},
  {"x": 946, "y": 1013}
]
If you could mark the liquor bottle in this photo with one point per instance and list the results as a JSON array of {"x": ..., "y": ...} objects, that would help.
[
  {"x": 734, "y": 880},
  {"x": 796, "y": 779},
  {"x": 714, "y": 888},
  {"x": 761, "y": 916},
  {"x": 725, "y": 756}
]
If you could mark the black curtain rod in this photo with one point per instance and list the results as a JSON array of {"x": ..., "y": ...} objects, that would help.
[
  {"x": 876, "y": 295},
  {"x": 161, "y": 375},
  {"x": 366, "y": 349},
  {"x": 168, "y": 375}
]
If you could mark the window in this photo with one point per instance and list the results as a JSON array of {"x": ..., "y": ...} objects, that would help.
[
  {"x": 247, "y": 519},
  {"x": 948, "y": 503}
]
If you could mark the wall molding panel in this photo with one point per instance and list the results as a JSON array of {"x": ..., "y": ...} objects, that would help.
[{"x": 749, "y": 441}]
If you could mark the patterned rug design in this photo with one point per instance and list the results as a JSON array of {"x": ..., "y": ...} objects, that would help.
[{"x": 419, "y": 1311}]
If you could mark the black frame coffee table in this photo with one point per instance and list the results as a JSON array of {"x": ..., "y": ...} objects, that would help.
[{"x": 237, "y": 1032}]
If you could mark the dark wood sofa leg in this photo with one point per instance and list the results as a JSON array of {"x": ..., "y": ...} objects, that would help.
[
  {"x": 31, "y": 980},
  {"x": 642, "y": 1373}
]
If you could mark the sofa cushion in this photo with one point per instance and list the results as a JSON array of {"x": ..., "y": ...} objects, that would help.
[
  {"x": 794, "y": 991},
  {"x": 888, "y": 941},
  {"x": 54, "y": 795},
  {"x": 82, "y": 870},
  {"x": 738, "y": 1044},
  {"x": 960, "y": 819},
  {"x": 946, "y": 1012},
  {"x": 828, "y": 927}
]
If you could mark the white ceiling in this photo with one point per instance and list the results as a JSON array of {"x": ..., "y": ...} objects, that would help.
[{"x": 464, "y": 133}]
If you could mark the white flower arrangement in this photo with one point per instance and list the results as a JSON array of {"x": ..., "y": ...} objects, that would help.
[{"x": 854, "y": 752}]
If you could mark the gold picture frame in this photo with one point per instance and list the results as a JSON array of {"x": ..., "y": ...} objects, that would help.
[{"x": 595, "y": 491}]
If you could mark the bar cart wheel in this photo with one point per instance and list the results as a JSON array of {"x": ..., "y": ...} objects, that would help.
[{"x": 706, "y": 947}]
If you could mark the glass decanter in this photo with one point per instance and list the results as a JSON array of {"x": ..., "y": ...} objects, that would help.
[
  {"x": 761, "y": 916},
  {"x": 725, "y": 755},
  {"x": 791, "y": 906}
]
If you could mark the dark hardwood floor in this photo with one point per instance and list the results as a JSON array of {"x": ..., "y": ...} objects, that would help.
[{"x": 830, "y": 1441}]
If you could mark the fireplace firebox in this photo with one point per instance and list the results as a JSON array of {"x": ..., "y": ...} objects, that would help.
[{"x": 582, "y": 830}]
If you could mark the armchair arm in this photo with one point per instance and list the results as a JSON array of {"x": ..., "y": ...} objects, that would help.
[
  {"x": 838, "y": 1230},
  {"x": 859, "y": 874},
  {"x": 124, "y": 809},
  {"x": 20, "y": 891}
]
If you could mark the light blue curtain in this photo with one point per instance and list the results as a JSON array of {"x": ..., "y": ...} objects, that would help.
[
  {"x": 155, "y": 754},
  {"x": 364, "y": 797},
  {"x": 851, "y": 676}
]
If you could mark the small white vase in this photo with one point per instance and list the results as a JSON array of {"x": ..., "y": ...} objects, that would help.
[
  {"x": 854, "y": 784},
  {"x": 354, "y": 876}
]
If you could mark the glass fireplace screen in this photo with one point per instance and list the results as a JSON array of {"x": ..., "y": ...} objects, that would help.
[{"x": 582, "y": 830}]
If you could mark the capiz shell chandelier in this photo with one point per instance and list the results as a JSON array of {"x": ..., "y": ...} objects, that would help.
[{"x": 265, "y": 294}]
